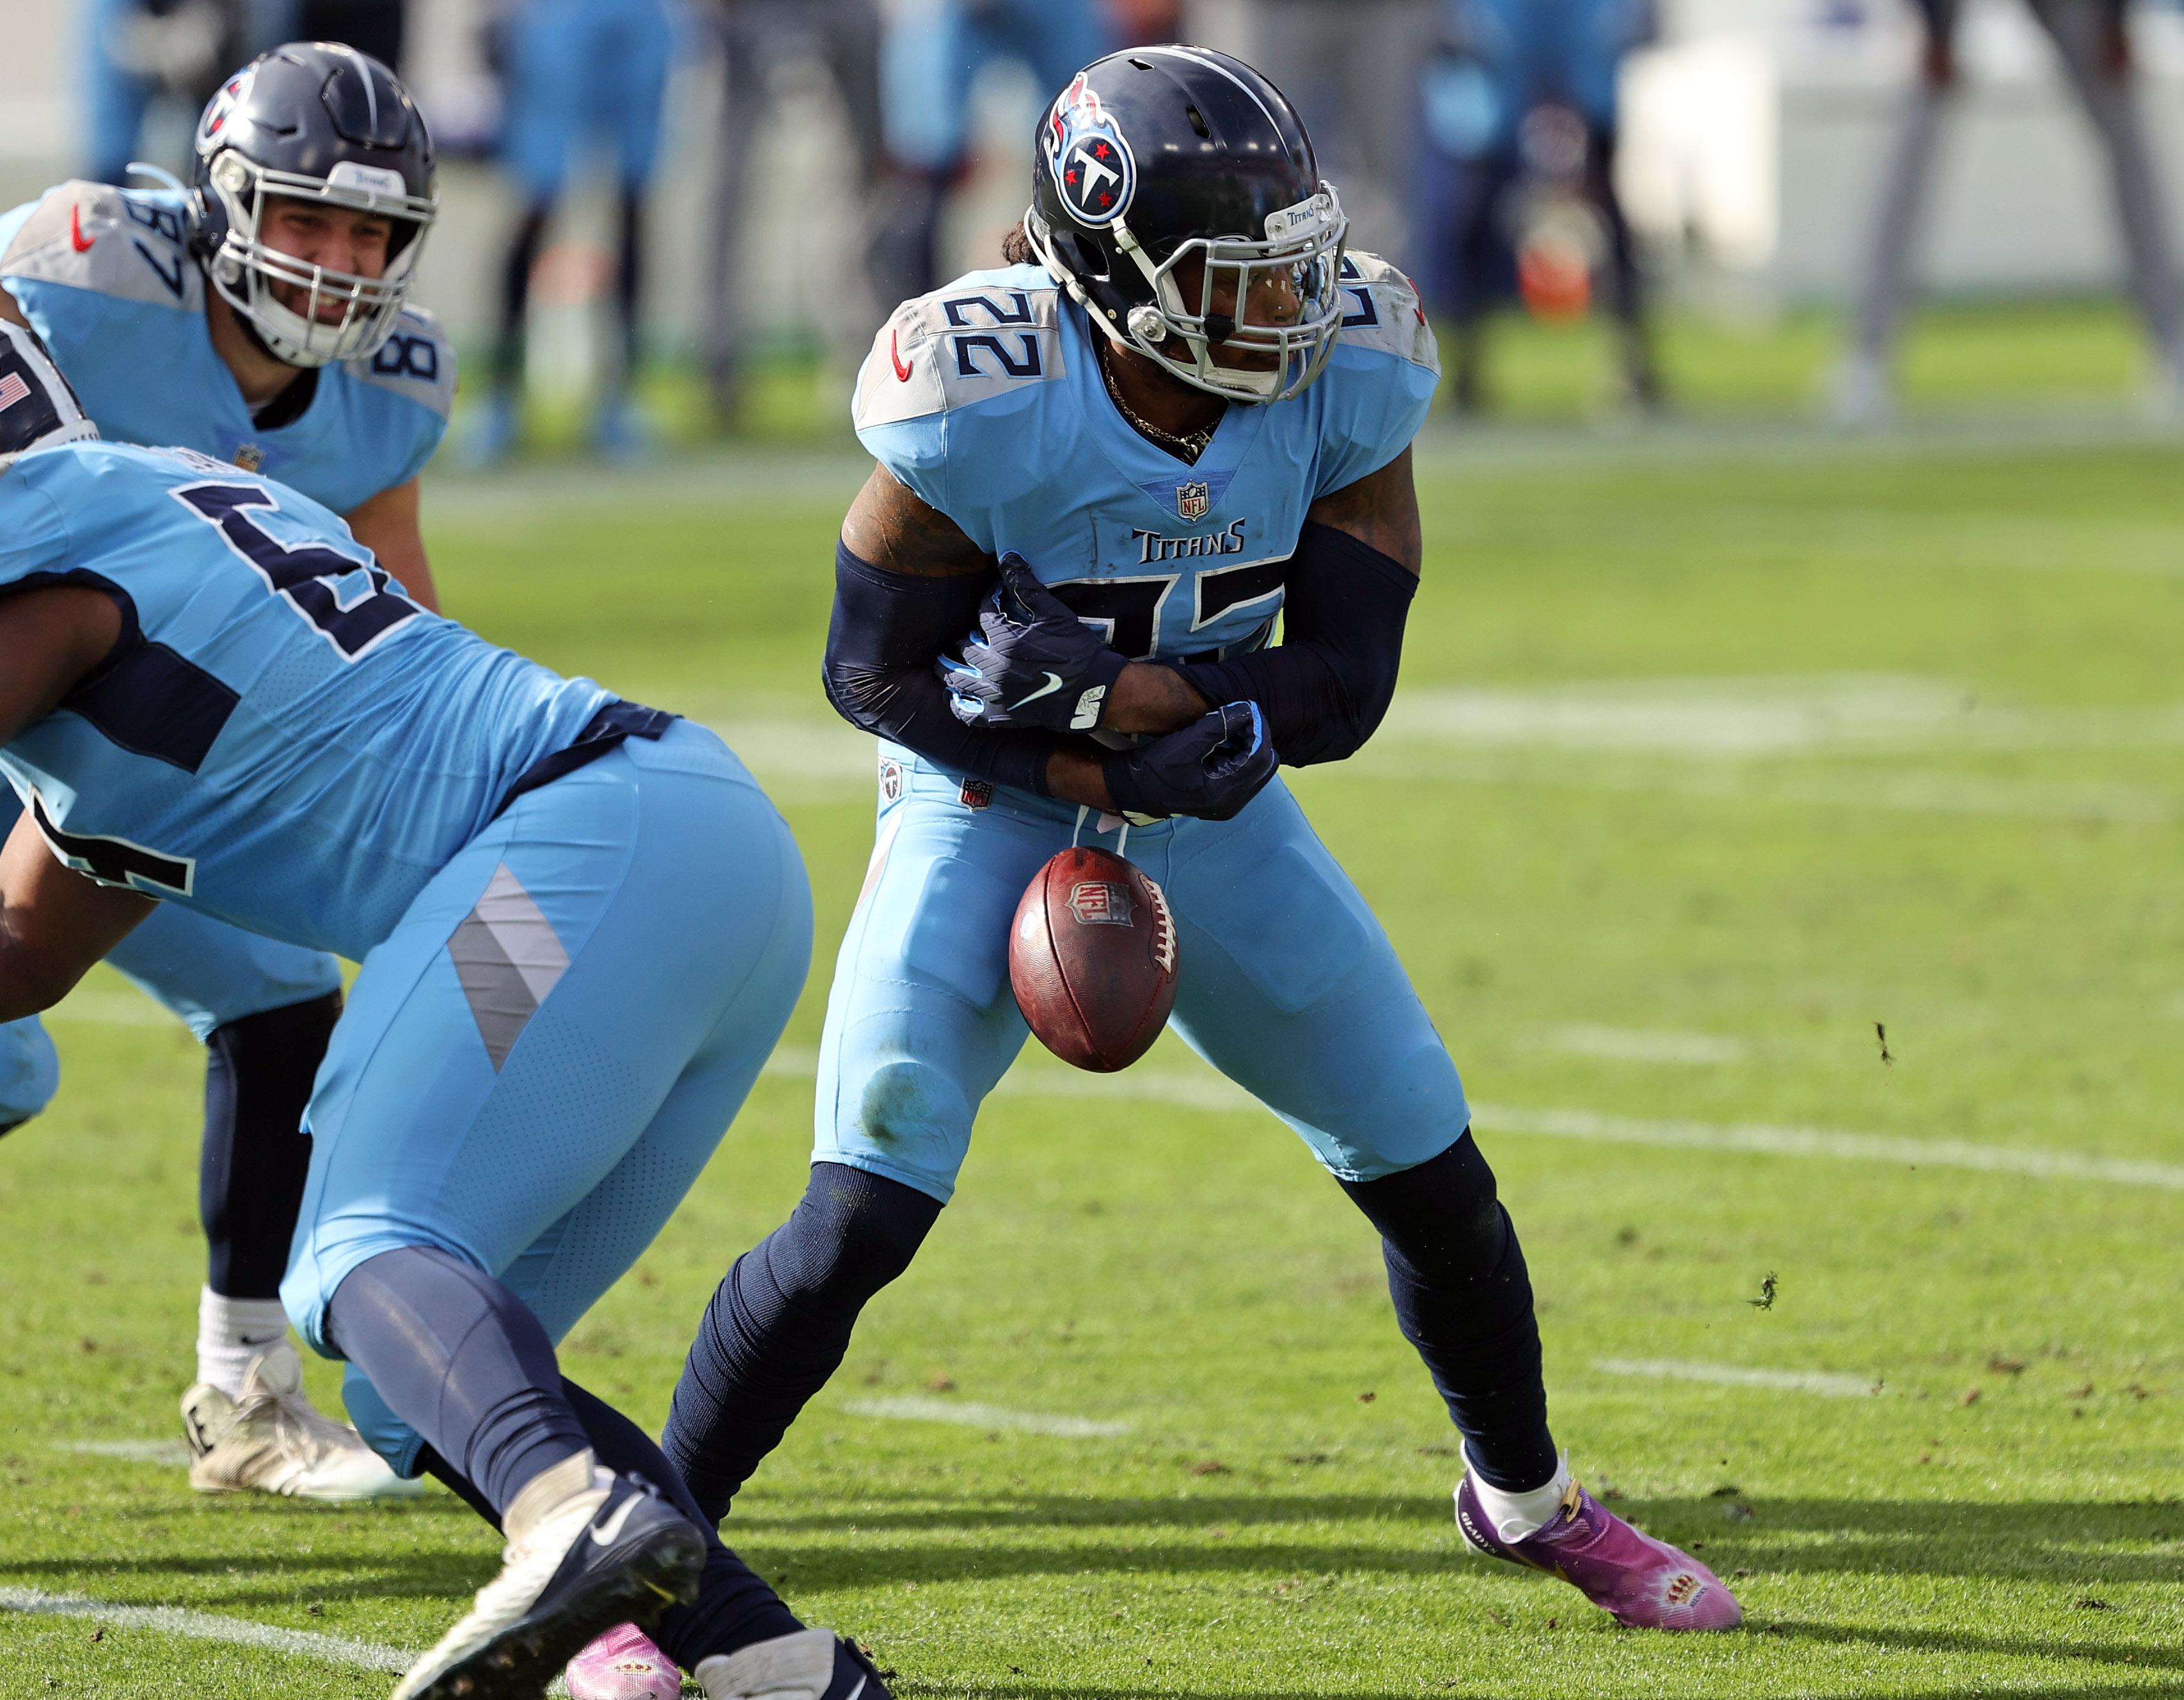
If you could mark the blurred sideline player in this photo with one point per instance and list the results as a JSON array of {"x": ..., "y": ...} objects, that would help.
[
  {"x": 138, "y": 52},
  {"x": 1526, "y": 105},
  {"x": 1155, "y": 429},
  {"x": 263, "y": 321},
  {"x": 578, "y": 71},
  {"x": 2092, "y": 38},
  {"x": 759, "y": 37},
  {"x": 931, "y": 52},
  {"x": 581, "y": 928}
]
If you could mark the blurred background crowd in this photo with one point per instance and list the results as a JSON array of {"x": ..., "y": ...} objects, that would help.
[{"x": 666, "y": 218}]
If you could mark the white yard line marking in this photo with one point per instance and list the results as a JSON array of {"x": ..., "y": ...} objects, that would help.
[
  {"x": 1820, "y": 1381},
  {"x": 1898, "y": 790},
  {"x": 1771, "y": 715},
  {"x": 137, "y": 1452},
  {"x": 1209, "y": 1091},
  {"x": 966, "y": 1413},
  {"x": 332, "y": 1649},
  {"x": 328, "y": 1649},
  {"x": 1642, "y": 1045},
  {"x": 1821, "y": 1142}
]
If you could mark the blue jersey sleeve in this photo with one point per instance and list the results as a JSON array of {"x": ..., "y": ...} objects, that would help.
[
  {"x": 949, "y": 399},
  {"x": 1380, "y": 381},
  {"x": 33, "y": 534}
]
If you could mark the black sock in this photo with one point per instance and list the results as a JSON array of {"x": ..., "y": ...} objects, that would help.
[
  {"x": 256, "y": 1156},
  {"x": 463, "y": 1361},
  {"x": 1463, "y": 1298},
  {"x": 780, "y": 1322}
]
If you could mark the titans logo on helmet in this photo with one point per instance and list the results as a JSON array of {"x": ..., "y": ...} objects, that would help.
[{"x": 1088, "y": 158}]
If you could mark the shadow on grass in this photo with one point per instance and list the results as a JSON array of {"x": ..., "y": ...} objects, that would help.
[
  {"x": 2051, "y": 1541},
  {"x": 2150, "y": 1657}
]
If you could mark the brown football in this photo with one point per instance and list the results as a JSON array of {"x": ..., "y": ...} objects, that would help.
[{"x": 1092, "y": 958}]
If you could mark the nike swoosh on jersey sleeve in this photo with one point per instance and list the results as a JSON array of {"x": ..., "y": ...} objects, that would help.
[{"x": 123, "y": 245}]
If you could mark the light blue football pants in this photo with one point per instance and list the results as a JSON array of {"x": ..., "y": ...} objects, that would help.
[
  {"x": 536, "y": 1064},
  {"x": 1287, "y": 984},
  {"x": 206, "y": 971}
]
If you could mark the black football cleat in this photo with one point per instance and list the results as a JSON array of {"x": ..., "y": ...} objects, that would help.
[{"x": 614, "y": 1553}]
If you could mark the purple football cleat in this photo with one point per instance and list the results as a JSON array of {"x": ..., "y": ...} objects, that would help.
[
  {"x": 1644, "y": 1583},
  {"x": 623, "y": 1664}
]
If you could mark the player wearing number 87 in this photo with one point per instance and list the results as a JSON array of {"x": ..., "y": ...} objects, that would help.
[
  {"x": 211, "y": 696},
  {"x": 1182, "y": 412}
]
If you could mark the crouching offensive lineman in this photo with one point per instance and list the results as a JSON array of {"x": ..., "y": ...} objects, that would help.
[
  {"x": 262, "y": 318},
  {"x": 582, "y": 927},
  {"x": 1182, "y": 411}
]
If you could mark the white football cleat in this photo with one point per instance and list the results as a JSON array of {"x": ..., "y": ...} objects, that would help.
[{"x": 274, "y": 1439}]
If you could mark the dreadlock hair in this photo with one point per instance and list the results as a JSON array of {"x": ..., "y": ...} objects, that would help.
[{"x": 1016, "y": 248}]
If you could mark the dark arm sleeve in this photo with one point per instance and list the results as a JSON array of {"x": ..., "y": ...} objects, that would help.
[
  {"x": 1325, "y": 686},
  {"x": 886, "y": 629}
]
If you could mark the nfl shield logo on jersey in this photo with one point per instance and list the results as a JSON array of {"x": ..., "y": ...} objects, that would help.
[
  {"x": 1192, "y": 500},
  {"x": 1090, "y": 161}
]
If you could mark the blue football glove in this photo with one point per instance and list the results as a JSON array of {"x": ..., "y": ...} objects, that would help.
[
  {"x": 1031, "y": 663},
  {"x": 1209, "y": 770}
]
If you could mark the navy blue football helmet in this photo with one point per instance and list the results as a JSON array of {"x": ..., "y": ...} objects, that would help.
[
  {"x": 1157, "y": 158},
  {"x": 314, "y": 121}
]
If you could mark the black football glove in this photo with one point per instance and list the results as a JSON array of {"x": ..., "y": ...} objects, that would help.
[
  {"x": 1209, "y": 770},
  {"x": 1031, "y": 663}
]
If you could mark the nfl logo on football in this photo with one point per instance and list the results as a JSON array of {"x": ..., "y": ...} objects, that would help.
[
  {"x": 1192, "y": 500},
  {"x": 1097, "y": 903}
]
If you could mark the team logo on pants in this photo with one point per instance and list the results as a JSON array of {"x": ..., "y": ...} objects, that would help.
[
  {"x": 891, "y": 779},
  {"x": 1097, "y": 903}
]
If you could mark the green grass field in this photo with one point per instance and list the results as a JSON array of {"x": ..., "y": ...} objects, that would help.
[{"x": 1711, "y": 752}]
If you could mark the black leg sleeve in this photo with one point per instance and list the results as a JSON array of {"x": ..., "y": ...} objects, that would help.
[
  {"x": 735, "y": 1606},
  {"x": 514, "y": 292},
  {"x": 780, "y": 1322},
  {"x": 1463, "y": 1298},
  {"x": 256, "y": 1156},
  {"x": 629, "y": 283},
  {"x": 463, "y": 1361}
]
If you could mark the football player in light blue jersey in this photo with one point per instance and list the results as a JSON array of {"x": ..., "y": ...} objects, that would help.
[
  {"x": 263, "y": 320},
  {"x": 581, "y": 928},
  {"x": 1114, "y": 467}
]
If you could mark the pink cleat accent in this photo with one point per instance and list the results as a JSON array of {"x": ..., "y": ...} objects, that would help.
[
  {"x": 1643, "y": 1583},
  {"x": 623, "y": 1664}
]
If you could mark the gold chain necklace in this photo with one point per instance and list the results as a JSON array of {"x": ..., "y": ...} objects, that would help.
[{"x": 1190, "y": 447}]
